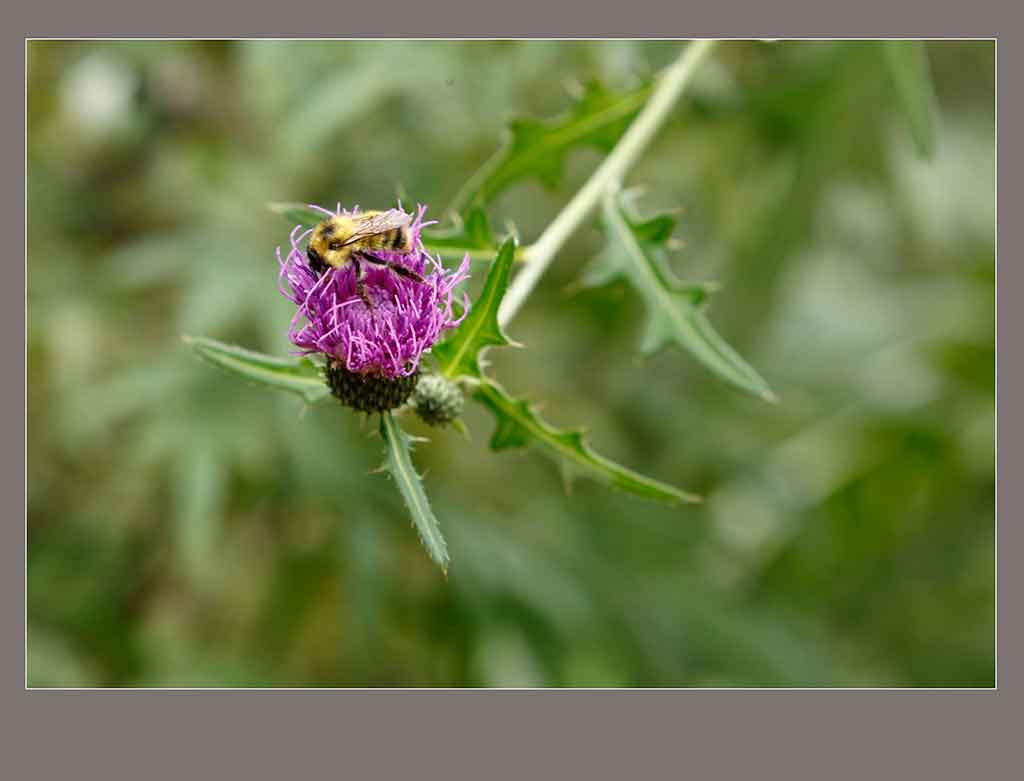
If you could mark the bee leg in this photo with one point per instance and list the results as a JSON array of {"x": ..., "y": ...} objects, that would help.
[
  {"x": 361, "y": 292},
  {"x": 402, "y": 271},
  {"x": 360, "y": 287},
  {"x": 396, "y": 268}
]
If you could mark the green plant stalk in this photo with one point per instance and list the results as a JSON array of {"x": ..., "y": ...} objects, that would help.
[
  {"x": 650, "y": 119},
  {"x": 485, "y": 255}
]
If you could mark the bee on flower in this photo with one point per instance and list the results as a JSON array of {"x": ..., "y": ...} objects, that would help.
[{"x": 372, "y": 320}]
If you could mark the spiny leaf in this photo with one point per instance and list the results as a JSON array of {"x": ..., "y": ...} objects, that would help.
[
  {"x": 399, "y": 464},
  {"x": 519, "y": 425},
  {"x": 907, "y": 62},
  {"x": 635, "y": 251},
  {"x": 537, "y": 149},
  {"x": 472, "y": 232},
  {"x": 468, "y": 235},
  {"x": 459, "y": 354},
  {"x": 296, "y": 375}
]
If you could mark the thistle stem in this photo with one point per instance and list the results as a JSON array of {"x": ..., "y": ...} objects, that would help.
[{"x": 633, "y": 142}]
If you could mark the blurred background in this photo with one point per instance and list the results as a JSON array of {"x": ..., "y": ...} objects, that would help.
[{"x": 187, "y": 529}]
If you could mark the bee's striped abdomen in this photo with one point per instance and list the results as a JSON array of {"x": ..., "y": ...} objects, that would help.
[{"x": 395, "y": 240}]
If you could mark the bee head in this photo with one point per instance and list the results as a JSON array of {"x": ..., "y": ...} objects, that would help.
[
  {"x": 316, "y": 262},
  {"x": 327, "y": 247}
]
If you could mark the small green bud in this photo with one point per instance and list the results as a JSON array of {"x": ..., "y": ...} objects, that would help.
[{"x": 438, "y": 401}]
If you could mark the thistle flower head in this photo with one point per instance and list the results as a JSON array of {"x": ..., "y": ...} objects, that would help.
[{"x": 406, "y": 316}]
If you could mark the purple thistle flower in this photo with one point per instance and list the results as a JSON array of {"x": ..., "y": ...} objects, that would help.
[{"x": 388, "y": 339}]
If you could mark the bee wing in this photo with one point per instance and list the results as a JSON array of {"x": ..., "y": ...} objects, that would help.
[{"x": 375, "y": 224}]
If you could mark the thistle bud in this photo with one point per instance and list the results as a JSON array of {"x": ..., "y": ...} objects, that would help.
[{"x": 438, "y": 401}]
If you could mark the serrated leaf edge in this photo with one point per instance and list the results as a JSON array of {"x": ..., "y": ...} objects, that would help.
[
  {"x": 232, "y": 358},
  {"x": 584, "y": 461},
  {"x": 473, "y": 193},
  {"x": 399, "y": 465},
  {"x": 487, "y": 303},
  {"x": 667, "y": 299}
]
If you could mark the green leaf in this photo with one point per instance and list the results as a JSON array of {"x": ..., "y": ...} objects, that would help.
[
  {"x": 907, "y": 62},
  {"x": 469, "y": 235},
  {"x": 636, "y": 251},
  {"x": 399, "y": 465},
  {"x": 537, "y": 149},
  {"x": 296, "y": 375},
  {"x": 519, "y": 425},
  {"x": 459, "y": 354}
]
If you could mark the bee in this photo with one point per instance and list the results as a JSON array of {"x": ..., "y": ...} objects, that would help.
[{"x": 354, "y": 238}]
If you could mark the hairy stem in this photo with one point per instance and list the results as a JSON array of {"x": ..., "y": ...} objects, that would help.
[{"x": 633, "y": 142}]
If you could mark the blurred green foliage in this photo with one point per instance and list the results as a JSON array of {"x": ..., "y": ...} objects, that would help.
[{"x": 185, "y": 528}]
